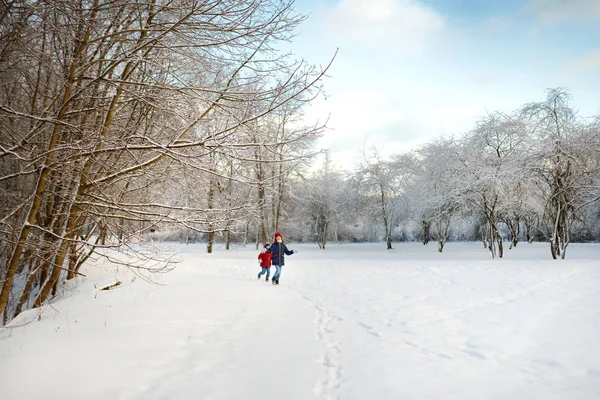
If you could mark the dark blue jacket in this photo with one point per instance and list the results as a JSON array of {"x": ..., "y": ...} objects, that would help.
[{"x": 278, "y": 250}]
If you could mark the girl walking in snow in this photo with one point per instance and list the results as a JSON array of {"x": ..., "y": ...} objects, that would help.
[
  {"x": 264, "y": 260},
  {"x": 278, "y": 249}
]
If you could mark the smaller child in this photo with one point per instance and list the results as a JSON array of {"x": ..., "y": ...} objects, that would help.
[{"x": 264, "y": 260}]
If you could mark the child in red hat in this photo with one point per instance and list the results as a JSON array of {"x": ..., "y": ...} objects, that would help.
[{"x": 278, "y": 249}]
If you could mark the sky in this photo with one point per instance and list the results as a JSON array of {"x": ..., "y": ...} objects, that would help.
[
  {"x": 409, "y": 71},
  {"x": 352, "y": 322}
]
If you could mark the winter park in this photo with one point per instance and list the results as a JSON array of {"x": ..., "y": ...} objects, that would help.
[{"x": 310, "y": 199}]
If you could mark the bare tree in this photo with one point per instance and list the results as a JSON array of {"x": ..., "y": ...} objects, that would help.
[
  {"x": 435, "y": 194},
  {"x": 111, "y": 99},
  {"x": 321, "y": 201},
  {"x": 380, "y": 182},
  {"x": 566, "y": 162},
  {"x": 491, "y": 159}
]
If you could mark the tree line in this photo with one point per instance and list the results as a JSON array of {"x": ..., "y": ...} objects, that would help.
[
  {"x": 530, "y": 174},
  {"x": 120, "y": 117}
]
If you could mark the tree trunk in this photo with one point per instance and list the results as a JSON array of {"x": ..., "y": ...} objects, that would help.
[
  {"x": 494, "y": 238},
  {"x": 321, "y": 232},
  {"x": 442, "y": 233},
  {"x": 514, "y": 228},
  {"x": 26, "y": 291},
  {"x": 63, "y": 250},
  {"x": 262, "y": 212},
  {"x": 425, "y": 226},
  {"x": 386, "y": 224},
  {"x": 45, "y": 167},
  {"x": 500, "y": 247},
  {"x": 279, "y": 202},
  {"x": 211, "y": 233}
]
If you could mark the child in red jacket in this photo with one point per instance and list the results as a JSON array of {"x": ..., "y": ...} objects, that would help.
[{"x": 264, "y": 260}]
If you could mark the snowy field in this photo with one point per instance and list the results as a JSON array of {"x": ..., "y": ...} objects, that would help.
[{"x": 351, "y": 322}]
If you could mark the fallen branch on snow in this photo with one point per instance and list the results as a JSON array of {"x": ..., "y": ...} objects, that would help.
[{"x": 112, "y": 285}]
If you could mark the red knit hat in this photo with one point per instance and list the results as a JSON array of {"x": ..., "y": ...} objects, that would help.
[{"x": 278, "y": 234}]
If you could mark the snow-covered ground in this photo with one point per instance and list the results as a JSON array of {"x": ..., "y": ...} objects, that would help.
[{"x": 350, "y": 322}]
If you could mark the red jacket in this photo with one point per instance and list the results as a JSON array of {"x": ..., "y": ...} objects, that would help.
[{"x": 265, "y": 259}]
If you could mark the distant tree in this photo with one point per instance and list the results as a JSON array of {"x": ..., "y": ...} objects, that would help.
[
  {"x": 434, "y": 195},
  {"x": 322, "y": 199},
  {"x": 381, "y": 182},
  {"x": 491, "y": 157},
  {"x": 566, "y": 163}
]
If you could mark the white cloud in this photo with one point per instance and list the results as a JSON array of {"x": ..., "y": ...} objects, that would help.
[
  {"x": 560, "y": 10},
  {"x": 580, "y": 67},
  {"x": 589, "y": 62},
  {"x": 392, "y": 122},
  {"x": 380, "y": 93},
  {"x": 391, "y": 25}
]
